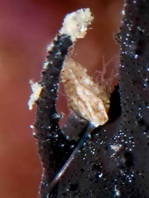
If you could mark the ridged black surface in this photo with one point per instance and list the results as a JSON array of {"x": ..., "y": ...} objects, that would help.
[
  {"x": 53, "y": 146},
  {"x": 98, "y": 171},
  {"x": 114, "y": 162}
]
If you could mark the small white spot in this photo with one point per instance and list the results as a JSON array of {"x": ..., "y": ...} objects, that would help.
[
  {"x": 100, "y": 175},
  {"x": 36, "y": 89},
  {"x": 31, "y": 126},
  {"x": 117, "y": 192},
  {"x": 123, "y": 12},
  {"x": 50, "y": 46},
  {"x": 116, "y": 148},
  {"x": 45, "y": 65},
  {"x": 136, "y": 56}
]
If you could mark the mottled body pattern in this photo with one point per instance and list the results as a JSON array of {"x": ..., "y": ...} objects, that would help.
[
  {"x": 89, "y": 100},
  {"x": 114, "y": 162}
]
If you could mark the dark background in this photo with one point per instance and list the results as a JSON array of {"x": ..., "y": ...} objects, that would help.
[{"x": 26, "y": 27}]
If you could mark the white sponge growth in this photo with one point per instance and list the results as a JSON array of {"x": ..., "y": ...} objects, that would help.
[
  {"x": 36, "y": 89},
  {"x": 75, "y": 24}
]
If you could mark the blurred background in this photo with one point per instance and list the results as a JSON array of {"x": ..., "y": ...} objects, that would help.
[{"x": 26, "y": 28}]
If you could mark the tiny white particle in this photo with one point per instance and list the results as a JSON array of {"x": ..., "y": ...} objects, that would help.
[
  {"x": 36, "y": 89},
  {"x": 31, "y": 126},
  {"x": 75, "y": 24},
  {"x": 45, "y": 65},
  {"x": 116, "y": 148},
  {"x": 50, "y": 46},
  {"x": 117, "y": 192},
  {"x": 136, "y": 56},
  {"x": 123, "y": 12},
  {"x": 100, "y": 175}
]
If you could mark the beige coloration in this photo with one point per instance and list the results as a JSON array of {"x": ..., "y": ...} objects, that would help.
[
  {"x": 75, "y": 24},
  {"x": 85, "y": 97},
  {"x": 36, "y": 89}
]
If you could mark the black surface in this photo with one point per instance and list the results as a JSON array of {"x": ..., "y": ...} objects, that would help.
[
  {"x": 99, "y": 171},
  {"x": 54, "y": 148},
  {"x": 128, "y": 169}
]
